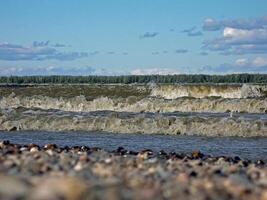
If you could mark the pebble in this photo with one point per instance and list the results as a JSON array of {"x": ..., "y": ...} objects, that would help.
[
  {"x": 34, "y": 149},
  {"x": 59, "y": 188},
  {"x": 12, "y": 188},
  {"x": 197, "y": 155},
  {"x": 72, "y": 173}
]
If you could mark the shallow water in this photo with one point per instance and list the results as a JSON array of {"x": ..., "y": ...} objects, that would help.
[{"x": 247, "y": 148}]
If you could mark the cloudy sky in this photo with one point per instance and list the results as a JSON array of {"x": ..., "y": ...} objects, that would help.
[{"x": 113, "y": 37}]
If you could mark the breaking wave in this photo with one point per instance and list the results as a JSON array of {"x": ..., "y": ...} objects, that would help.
[
  {"x": 161, "y": 109},
  {"x": 202, "y": 91},
  {"x": 134, "y": 104},
  {"x": 146, "y": 123}
]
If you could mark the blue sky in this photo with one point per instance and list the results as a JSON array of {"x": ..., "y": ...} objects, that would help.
[{"x": 110, "y": 37}]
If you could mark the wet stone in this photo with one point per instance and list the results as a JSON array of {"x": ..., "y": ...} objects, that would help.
[{"x": 197, "y": 155}]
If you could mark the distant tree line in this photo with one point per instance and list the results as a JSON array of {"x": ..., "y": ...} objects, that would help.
[{"x": 182, "y": 78}]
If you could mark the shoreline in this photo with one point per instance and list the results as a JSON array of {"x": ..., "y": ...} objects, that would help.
[{"x": 46, "y": 172}]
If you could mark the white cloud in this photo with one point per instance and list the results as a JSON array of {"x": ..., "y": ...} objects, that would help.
[
  {"x": 58, "y": 70},
  {"x": 233, "y": 35},
  {"x": 239, "y": 41},
  {"x": 238, "y": 37},
  {"x": 256, "y": 62},
  {"x": 241, "y": 65},
  {"x": 154, "y": 71},
  {"x": 211, "y": 24},
  {"x": 49, "y": 70},
  {"x": 259, "y": 62},
  {"x": 241, "y": 62},
  {"x": 37, "y": 51}
]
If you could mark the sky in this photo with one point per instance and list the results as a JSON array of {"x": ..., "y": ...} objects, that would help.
[{"x": 123, "y": 37}]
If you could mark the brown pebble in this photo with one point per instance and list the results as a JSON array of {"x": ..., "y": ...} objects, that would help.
[
  {"x": 196, "y": 155},
  {"x": 50, "y": 146}
]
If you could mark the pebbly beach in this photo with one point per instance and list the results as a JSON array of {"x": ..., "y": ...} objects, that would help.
[{"x": 30, "y": 171}]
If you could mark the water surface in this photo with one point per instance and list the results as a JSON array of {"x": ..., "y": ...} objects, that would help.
[{"x": 247, "y": 148}]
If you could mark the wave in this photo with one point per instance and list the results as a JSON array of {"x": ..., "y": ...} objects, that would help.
[
  {"x": 202, "y": 91},
  {"x": 167, "y": 91},
  {"x": 146, "y": 123},
  {"x": 136, "y": 104},
  {"x": 137, "y": 109}
]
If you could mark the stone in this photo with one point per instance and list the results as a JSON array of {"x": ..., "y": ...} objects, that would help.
[
  {"x": 59, "y": 188},
  {"x": 75, "y": 173},
  {"x": 13, "y": 188},
  {"x": 197, "y": 155}
]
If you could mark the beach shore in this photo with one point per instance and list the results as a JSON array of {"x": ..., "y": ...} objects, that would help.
[{"x": 51, "y": 172}]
